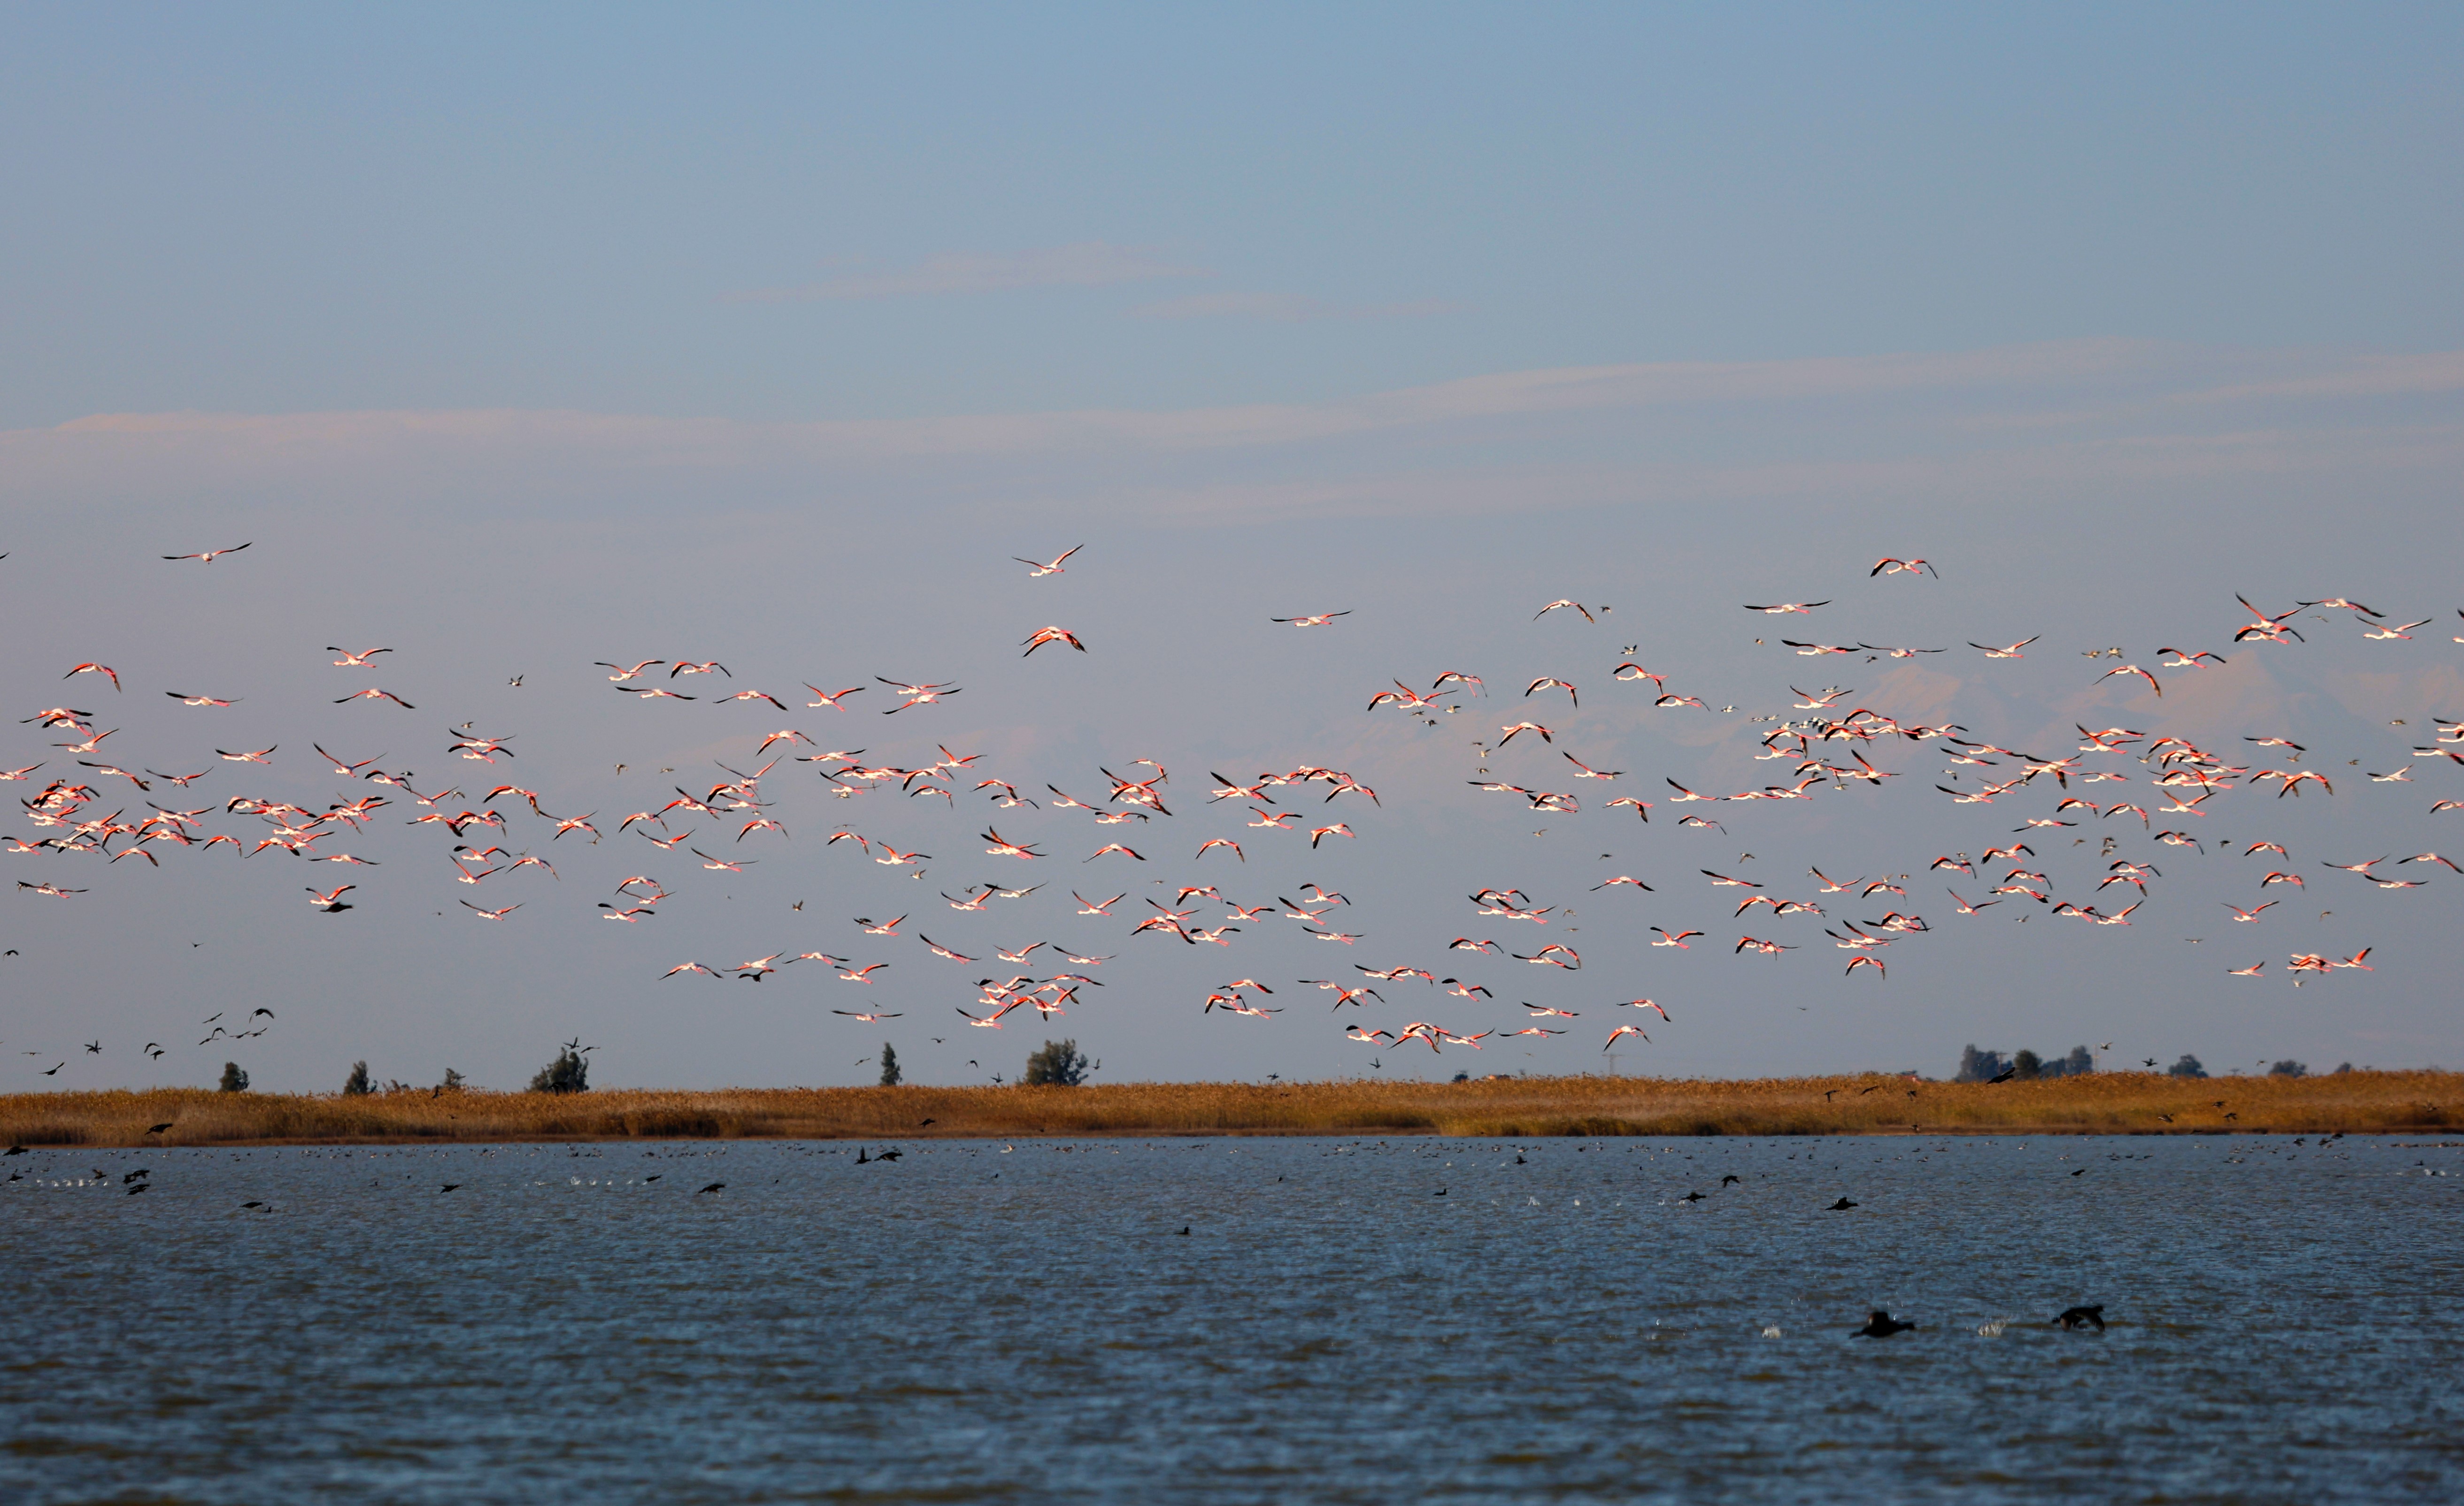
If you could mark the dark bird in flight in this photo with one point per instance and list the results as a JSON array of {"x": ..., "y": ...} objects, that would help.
[
  {"x": 1881, "y": 1325},
  {"x": 447, "y": 1188},
  {"x": 2091, "y": 1317},
  {"x": 158, "y": 1129},
  {"x": 1841, "y": 1206},
  {"x": 712, "y": 1187}
]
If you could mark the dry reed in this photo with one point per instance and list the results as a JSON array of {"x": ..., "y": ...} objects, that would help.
[{"x": 2118, "y": 1103}]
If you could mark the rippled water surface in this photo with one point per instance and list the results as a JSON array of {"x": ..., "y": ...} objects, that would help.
[{"x": 1344, "y": 1320}]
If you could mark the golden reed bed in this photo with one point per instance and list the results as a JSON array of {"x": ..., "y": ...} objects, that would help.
[{"x": 2118, "y": 1103}]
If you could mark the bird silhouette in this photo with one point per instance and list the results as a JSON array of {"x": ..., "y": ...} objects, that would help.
[{"x": 1881, "y": 1324}]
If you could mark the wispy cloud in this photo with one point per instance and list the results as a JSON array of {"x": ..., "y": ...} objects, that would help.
[
  {"x": 2357, "y": 376},
  {"x": 1287, "y": 308},
  {"x": 1087, "y": 263},
  {"x": 1840, "y": 429},
  {"x": 2020, "y": 375}
]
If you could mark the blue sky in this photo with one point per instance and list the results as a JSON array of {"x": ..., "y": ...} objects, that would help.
[
  {"x": 311, "y": 207},
  {"x": 596, "y": 333}
]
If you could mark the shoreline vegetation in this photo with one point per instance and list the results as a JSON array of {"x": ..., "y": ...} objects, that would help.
[{"x": 1872, "y": 1104}]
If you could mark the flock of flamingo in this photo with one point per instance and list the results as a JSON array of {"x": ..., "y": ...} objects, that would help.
[{"x": 94, "y": 803}]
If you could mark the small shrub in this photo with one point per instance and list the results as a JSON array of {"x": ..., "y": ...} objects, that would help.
[
  {"x": 2343, "y": 1066},
  {"x": 1059, "y": 1064},
  {"x": 568, "y": 1073},
  {"x": 2289, "y": 1068},
  {"x": 890, "y": 1072},
  {"x": 234, "y": 1081},
  {"x": 2026, "y": 1065},
  {"x": 2187, "y": 1067},
  {"x": 357, "y": 1084}
]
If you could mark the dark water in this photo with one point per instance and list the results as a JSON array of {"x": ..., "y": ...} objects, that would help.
[{"x": 967, "y": 1323}]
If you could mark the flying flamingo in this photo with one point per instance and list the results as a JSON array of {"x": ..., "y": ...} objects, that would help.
[
  {"x": 1053, "y": 567},
  {"x": 1052, "y": 635}
]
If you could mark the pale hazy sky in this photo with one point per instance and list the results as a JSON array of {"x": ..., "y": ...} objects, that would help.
[{"x": 606, "y": 333}]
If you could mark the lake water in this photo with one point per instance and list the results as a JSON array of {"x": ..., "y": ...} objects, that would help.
[{"x": 976, "y": 1323}]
